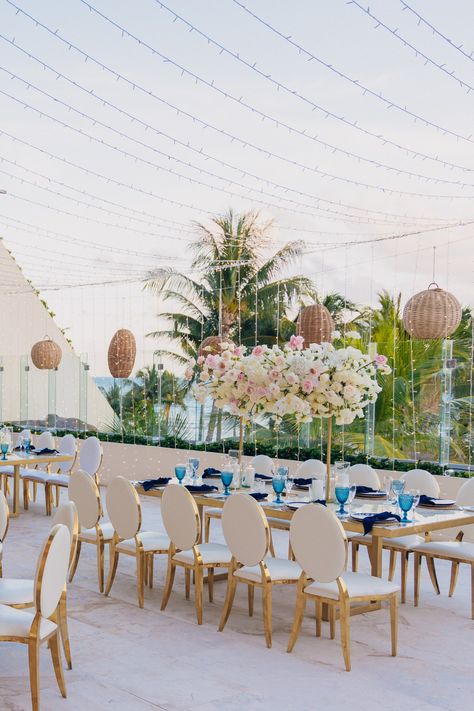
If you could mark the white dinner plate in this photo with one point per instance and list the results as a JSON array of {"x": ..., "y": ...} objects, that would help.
[
  {"x": 295, "y": 505},
  {"x": 439, "y": 503},
  {"x": 361, "y": 515},
  {"x": 372, "y": 495}
]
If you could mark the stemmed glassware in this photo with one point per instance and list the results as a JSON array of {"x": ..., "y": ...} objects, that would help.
[
  {"x": 4, "y": 447},
  {"x": 180, "y": 471},
  {"x": 342, "y": 492},
  {"x": 397, "y": 487},
  {"x": 405, "y": 502},
  {"x": 289, "y": 484},
  {"x": 226, "y": 478},
  {"x": 416, "y": 493},
  {"x": 278, "y": 483},
  {"x": 194, "y": 466},
  {"x": 19, "y": 443},
  {"x": 26, "y": 443}
]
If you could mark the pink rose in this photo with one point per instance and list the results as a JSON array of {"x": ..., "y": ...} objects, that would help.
[
  {"x": 291, "y": 379},
  {"x": 307, "y": 386},
  {"x": 241, "y": 376},
  {"x": 257, "y": 351},
  {"x": 212, "y": 361},
  {"x": 296, "y": 343},
  {"x": 380, "y": 360},
  {"x": 200, "y": 360},
  {"x": 274, "y": 375}
]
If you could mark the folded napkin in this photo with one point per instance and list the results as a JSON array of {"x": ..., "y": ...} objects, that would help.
[
  {"x": 18, "y": 449},
  {"x": 46, "y": 451},
  {"x": 369, "y": 521},
  {"x": 210, "y": 471},
  {"x": 265, "y": 477},
  {"x": 428, "y": 500},
  {"x": 258, "y": 495},
  {"x": 203, "y": 488},
  {"x": 302, "y": 482},
  {"x": 154, "y": 483},
  {"x": 319, "y": 501},
  {"x": 366, "y": 490}
]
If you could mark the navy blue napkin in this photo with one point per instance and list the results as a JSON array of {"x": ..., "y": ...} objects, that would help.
[
  {"x": 428, "y": 500},
  {"x": 210, "y": 472},
  {"x": 319, "y": 501},
  {"x": 264, "y": 477},
  {"x": 46, "y": 451},
  {"x": 258, "y": 495},
  {"x": 18, "y": 449},
  {"x": 369, "y": 521},
  {"x": 154, "y": 483},
  {"x": 203, "y": 488},
  {"x": 365, "y": 490},
  {"x": 302, "y": 482}
]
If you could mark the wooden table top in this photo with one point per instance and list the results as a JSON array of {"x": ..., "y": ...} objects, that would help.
[{"x": 25, "y": 460}]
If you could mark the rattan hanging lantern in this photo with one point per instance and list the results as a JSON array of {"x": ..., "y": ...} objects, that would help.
[
  {"x": 431, "y": 314},
  {"x": 121, "y": 354},
  {"x": 315, "y": 324},
  {"x": 212, "y": 345},
  {"x": 46, "y": 354}
]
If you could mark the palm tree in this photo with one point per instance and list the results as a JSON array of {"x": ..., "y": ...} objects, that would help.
[{"x": 237, "y": 291}]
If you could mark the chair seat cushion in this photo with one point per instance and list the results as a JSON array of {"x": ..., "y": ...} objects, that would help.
[
  {"x": 405, "y": 542},
  {"x": 16, "y": 592},
  {"x": 359, "y": 537},
  {"x": 8, "y": 470},
  {"x": 279, "y": 569},
  {"x": 210, "y": 553},
  {"x": 151, "y": 540},
  {"x": 214, "y": 513},
  {"x": 459, "y": 550},
  {"x": 34, "y": 474},
  {"x": 17, "y": 623},
  {"x": 59, "y": 479},
  {"x": 358, "y": 585},
  {"x": 90, "y": 534}
]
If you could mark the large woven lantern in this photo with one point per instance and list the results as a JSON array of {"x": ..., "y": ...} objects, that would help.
[
  {"x": 433, "y": 313},
  {"x": 315, "y": 324},
  {"x": 121, "y": 354},
  {"x": 46, "y": 354},
  {"x": 212, "y": 345}
]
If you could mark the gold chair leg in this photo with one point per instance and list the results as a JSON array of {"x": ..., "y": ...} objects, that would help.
[
  {"x": 141, "y": 562},
  {"x": 332, "y": 621},
  {"x": 63, "y": 628},
  {"x": 267, "y": 612},
  {"x": 344, "y": 621},
  {"x": 58, "y": 494},
  {"x": 392, "y": 564},
  {"x": 210, "y": 583},
  {"x": 114, "y": 556},
  {"x": 168, "y": 584},
  {"x": 319, "y": 617},
  {"x": 355, "y": 557},
  {"x": 73, "y": 569},
  {"x": 47, "y": 499},
  {"x": 454, "y": 577},
  {"x": 394, "y": 624},
  {"x": 33, "y": 663},
  {"x": 151, "y": 561},
  {"x": 432, "y": 572},
  {"x": 207, "y": 528},
  {"x": 35, "y": 491},
  {"x": 404, "y": 575},
  {"x": 100, "y": 563},
  {"x": 26, "y": 494},
  {"x": 270, "y": 546},
  {"x": 187, "y": 583},
  {"x": 198, "y": 592},
  {"x": 299, "y": 612},
  {"x": 229, "y": 599},
  {"x": 472, "y": 591},
  {"x": 250, "y": 595},
  {"x": 416, "y": 577},
  {"x": 58, "y": 669}
]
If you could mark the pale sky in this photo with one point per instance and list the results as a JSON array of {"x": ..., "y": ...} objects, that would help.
[{"x": 138, "y": 215}]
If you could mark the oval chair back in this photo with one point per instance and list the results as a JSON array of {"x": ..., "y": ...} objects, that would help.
[
  {"x": 51, "y": 570},
  {"x": 4, "y": 516},
  {"x": 310, "y": 469},
  {"x": 319, "y": 542},
  {"x": 67, "y": 445},
  {"x": 84, "y": 492},
  {"x": 246, "y": 529},
  {"x": 67, "y": 515},
  {"x": 465, "y": 497},
  {"x": 90, "y": 456},
  {"x": 363, "y": 475},
  {"x": 123, "y": 507},
  {"x": 180, "y": 517},
  {"x": 44, "y": 441},
  {"x": 422, "y": 480},
  {"x": 263, "y": 464}
]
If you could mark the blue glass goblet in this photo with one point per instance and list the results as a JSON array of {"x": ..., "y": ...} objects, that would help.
[
  {"x": 342, "y": 495},
  {"x": 226, "y": 478},
  {"x": 4, "y": 450},
  {"x": 27, "y": 444},
  {"x": 278, "y": 483},
  {"x": 405, "y": 502},
  {"x": 180, "y": 471}
]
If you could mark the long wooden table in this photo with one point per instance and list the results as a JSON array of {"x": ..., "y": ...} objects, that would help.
[{"x": 30, "y": 461}]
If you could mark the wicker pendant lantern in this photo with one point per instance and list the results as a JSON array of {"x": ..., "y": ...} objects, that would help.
[
  {"x": 121, "y": 354},
  {"x": 46, "y": 354},
  {"x": 212, "y": 345},
  {"x": 315, "y": 324},
  {"x": 431, "y": 314}
]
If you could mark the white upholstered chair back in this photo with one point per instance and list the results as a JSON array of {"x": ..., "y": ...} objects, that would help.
[
  {"x": 263, "y": 464},
  {"x": 123, "y": 507},
  {"x": 319, "y": 542},
  {"x": 90, "y": 456},
  {"x": 84, "y": 492},
  {"x": 67, "y": 445},
  {"x": 44, "y": 441},
  {"x": 363, "y": 475},
  {"x": 180, "y": 516},
  {"x": 245, "y": 528},
  {"x": 465, "y": 497},
  {"x": 4, "y": 516},
  {"x": 311, "y": 468},
  {"x": 422, "y": 480},
  {"x": 51, "y": 570},
  {"x": 67, "y": 515}
]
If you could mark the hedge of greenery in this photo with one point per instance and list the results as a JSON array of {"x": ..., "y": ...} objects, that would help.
[{"x": 295, "y": 453}]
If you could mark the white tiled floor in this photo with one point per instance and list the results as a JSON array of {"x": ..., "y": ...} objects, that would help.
[{"x": 127, "y": 659}]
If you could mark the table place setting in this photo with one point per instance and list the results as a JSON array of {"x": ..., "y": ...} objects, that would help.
[{"x": 435, "y": 503}]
